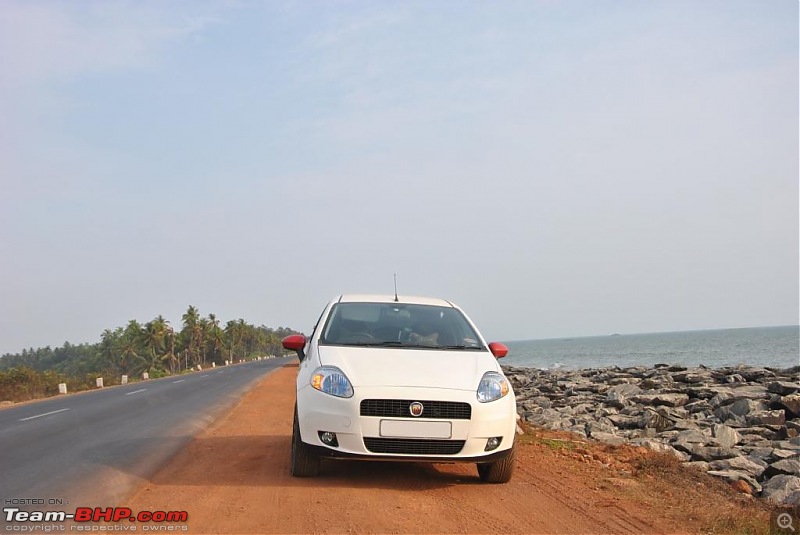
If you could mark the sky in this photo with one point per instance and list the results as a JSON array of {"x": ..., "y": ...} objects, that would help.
[{"x": 556, "y": 168}]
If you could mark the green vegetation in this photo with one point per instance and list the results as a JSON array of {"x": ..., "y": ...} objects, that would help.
[{"x": 153, "y": 347}]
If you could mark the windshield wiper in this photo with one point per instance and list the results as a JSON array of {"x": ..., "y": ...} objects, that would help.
[{"x": 461, "y": 347}]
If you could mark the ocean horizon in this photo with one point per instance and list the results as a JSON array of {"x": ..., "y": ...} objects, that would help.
[{"x": 776, "y": 346}]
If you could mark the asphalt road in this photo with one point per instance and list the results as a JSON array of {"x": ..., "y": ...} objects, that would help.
[{"x": 90, "y": 449}]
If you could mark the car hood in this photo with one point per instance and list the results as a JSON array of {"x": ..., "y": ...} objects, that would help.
[{"x": 370, "y": 366}]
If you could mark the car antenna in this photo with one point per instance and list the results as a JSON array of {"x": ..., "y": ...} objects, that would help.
[{"x": 396, "y": 300}]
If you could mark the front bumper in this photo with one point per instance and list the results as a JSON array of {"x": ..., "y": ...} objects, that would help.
[{"x": 318, "y": 412}]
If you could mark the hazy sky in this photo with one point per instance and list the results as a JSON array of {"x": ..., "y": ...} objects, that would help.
[{"x": 556, "y": 168}]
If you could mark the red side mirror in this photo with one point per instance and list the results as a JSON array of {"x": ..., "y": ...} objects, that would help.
[
  {"x": 294, "y": 342},
  {"x": 498, "y": 350}
]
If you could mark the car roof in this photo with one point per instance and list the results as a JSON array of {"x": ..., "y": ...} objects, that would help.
[{"x": 408, "y": 299}]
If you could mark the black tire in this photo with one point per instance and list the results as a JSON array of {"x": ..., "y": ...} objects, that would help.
[
  {"x": 499, "y": 471},
  {"x": 304, "y": 463}
]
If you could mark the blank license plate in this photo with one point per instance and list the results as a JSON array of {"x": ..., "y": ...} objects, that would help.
[{"x": 416, "y": 429}]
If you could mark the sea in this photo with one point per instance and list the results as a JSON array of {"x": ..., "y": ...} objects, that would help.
[{"x": 776, "y": 347}]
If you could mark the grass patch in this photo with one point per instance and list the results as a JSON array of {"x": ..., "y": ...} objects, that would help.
[{"x": 693, "y": 500}]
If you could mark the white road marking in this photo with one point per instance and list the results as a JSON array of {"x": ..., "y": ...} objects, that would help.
[
  {"x": 136, "y": 391},
  {"x": 178, "y": 381},
  {"x": 45, "y": 414},
  {"x": 204, "y": 375}
]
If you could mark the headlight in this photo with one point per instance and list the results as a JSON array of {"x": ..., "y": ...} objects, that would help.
[
  {"x": 333, "y": 381},
  {"x": 492, "y": 386}
]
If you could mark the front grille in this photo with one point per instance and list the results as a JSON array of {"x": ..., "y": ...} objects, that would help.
[
  {"x": 413, "y": 446},
  {"x": 398, "y": 408}
]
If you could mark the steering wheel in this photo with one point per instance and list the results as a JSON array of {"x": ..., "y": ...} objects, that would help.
[{"x": 358, "y": 337}]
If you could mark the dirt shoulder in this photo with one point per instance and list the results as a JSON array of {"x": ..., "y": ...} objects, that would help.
[{"x": 234, "y": 478}]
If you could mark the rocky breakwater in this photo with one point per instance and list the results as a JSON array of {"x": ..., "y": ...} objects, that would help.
[{"x": 741, "y": 424}]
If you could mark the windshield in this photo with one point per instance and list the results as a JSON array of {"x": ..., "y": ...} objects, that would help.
[{"x": 398, "y": 325}]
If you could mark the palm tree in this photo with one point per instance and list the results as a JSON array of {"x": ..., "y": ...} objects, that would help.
[
  {"x": 130, "y": 348},
  {"x": 190, "y": 333},
  {"x": 155, "y": 332},
  {"x": 215, "y": 336}
]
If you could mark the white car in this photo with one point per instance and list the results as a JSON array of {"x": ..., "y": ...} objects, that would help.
[{"x": 409, "y": 379}]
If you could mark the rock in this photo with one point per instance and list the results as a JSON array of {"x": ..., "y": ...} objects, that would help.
[
  {"x": 620, "y": 395},
  {"x": 608, "y": 438},
  {"x": 755, "y": 441},
  {"x": 740, "y": 464},
  {"x": 786, "y": 466},
  {"x": 647, "y": 432},
  {"x": 741, "y": 486},
  {"x": 760, "y": 433},
  {"x": 691, "y": 377},
  {"x": 741, "y": 424},
  {"x": 724, "y": 414},
  {"x": 698, "y": 465},
  {"x": 598, "y": 427},
  {"x": 683, "y": 425},
  {"x": 625, "y": 422},
  {"x": 519, "y": 380},
  {"x": 792, "y": 404},
  {"x": 700, "y": 405},
  {"x": 692, "y": 436},
  {"x": 671, "y": 400},
  {"x": 651, "y": 418},
  {"x": 716, "y": 396},
  {"x": 766, "y": 418},
  {"x": 755, "y": 374},
  {"x": 732, "y": 476},
  {"x": 726, "y": 437},
  {"x": 743, "y": 407},
  {"x": 655, "y": 445},
  {"x": 783, "y": 388},
  {"x": 782, "y": 490},
  {"x": 735, "y": 378},
  {"x": 778, "y": 454},
  {"x": 706, "y": 453}
]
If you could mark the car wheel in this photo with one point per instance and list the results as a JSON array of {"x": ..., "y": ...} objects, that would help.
[
  {"x": 304, "y": 463},
  {"x": 498, "y": 471}
]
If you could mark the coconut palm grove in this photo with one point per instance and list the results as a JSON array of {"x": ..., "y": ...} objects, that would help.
[{"x": 154, "y": 347}]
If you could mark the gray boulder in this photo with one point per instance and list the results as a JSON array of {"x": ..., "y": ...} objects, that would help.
[
  {"x": 671, "y": 400},
  {"x": 779, "y": 454},
  {"x": 744, "y": 406},
  {"x": 706, "y": 453},
  {"x": 777, "y": 417},
  {"x": 783, "y": 388},
  {"x": 653, "y": 419},
  {"x": 782, "y": 490},
  {"x": 740, "y": 464},
  {"x": 792, "y": 403},
  {"x": 789, "y": 467},
  {"x": 621, "y": 394},
  {"x": 623, "y": 421},
  {"x": 608, "y": 438},
  {"x": 727, "y": 437},
  {"x": 655, "y": 445}
]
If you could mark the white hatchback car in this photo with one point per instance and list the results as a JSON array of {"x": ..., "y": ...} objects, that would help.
[{"x": 409, "y": 379}]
